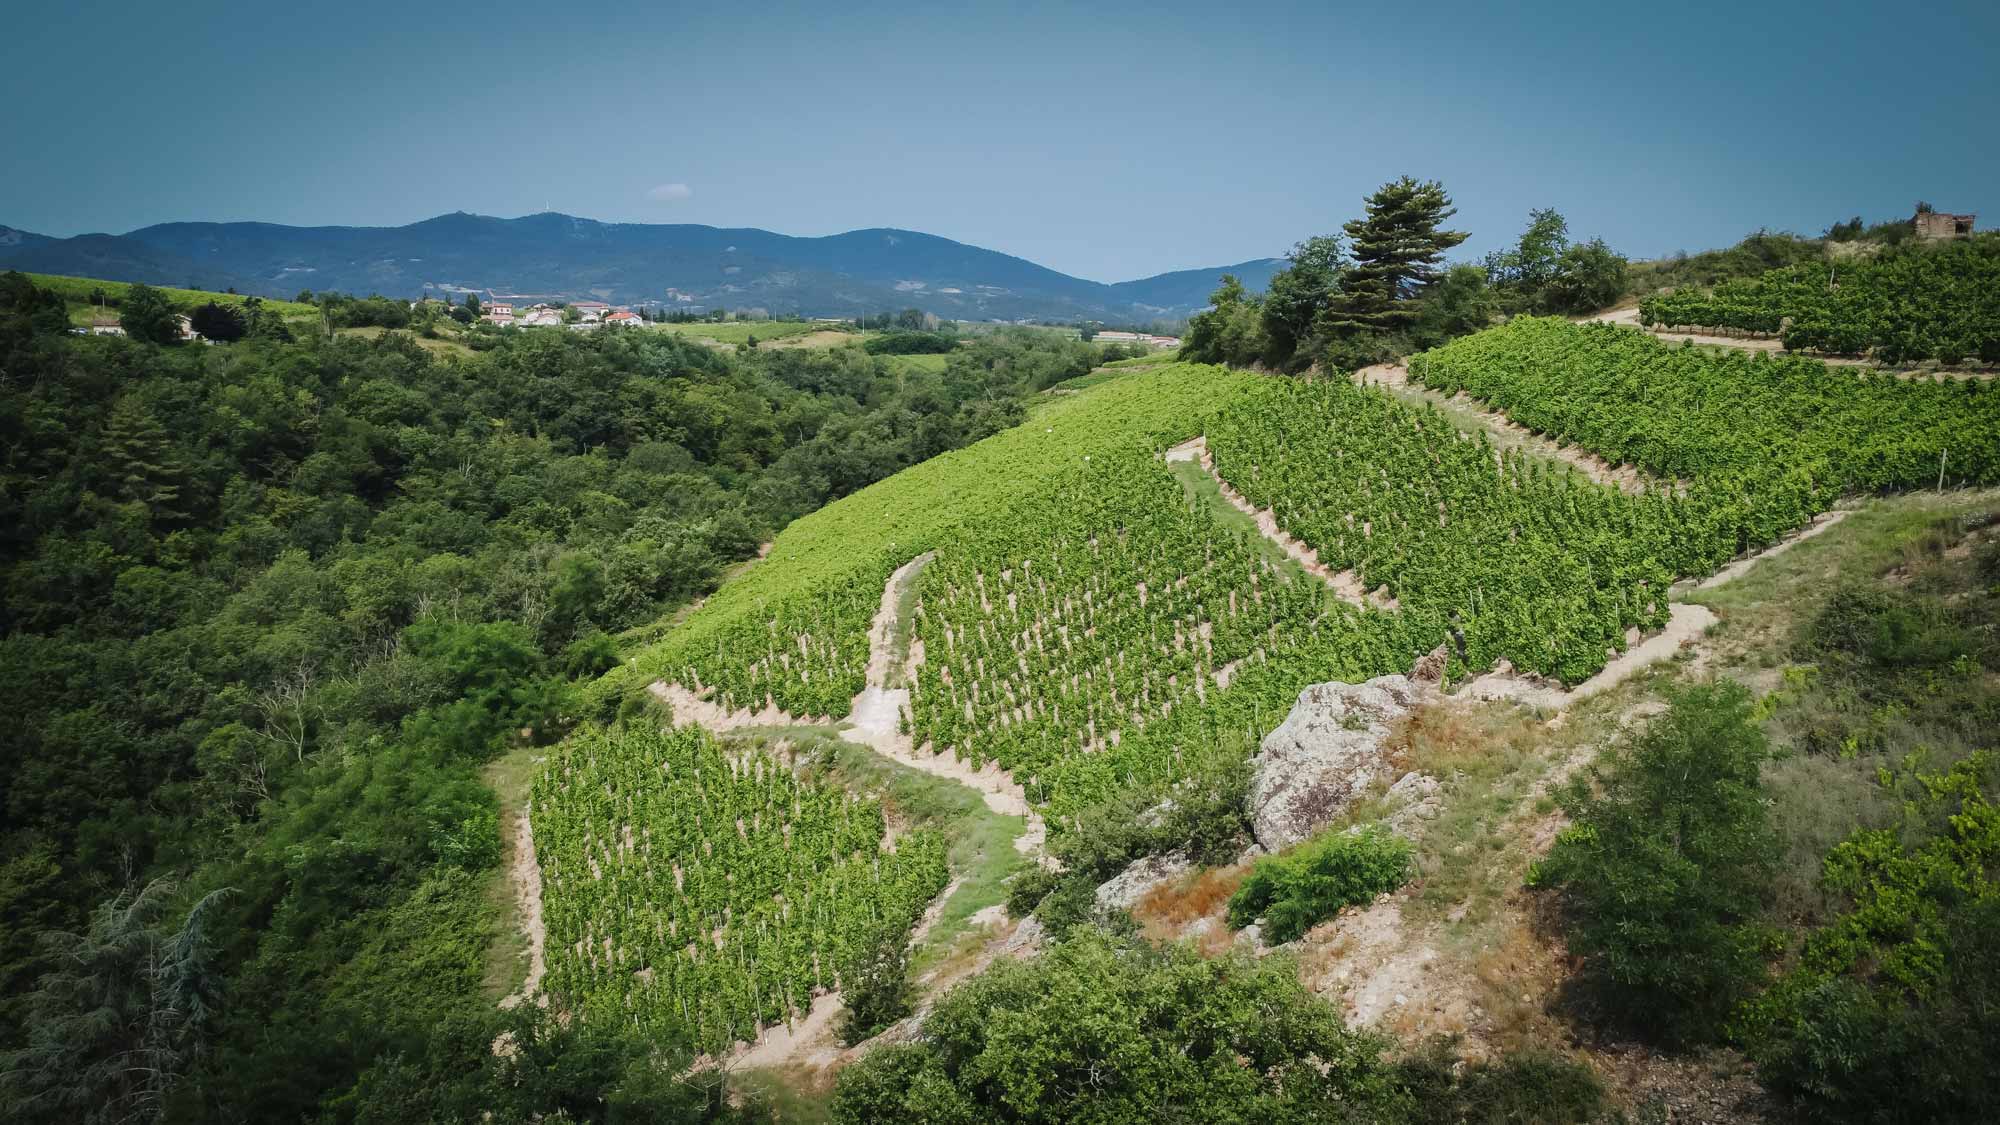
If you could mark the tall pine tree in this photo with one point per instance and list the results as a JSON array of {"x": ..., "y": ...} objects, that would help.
[
  {"x": 1396, "y": 249},
  {"x": 139, "y": 460}
]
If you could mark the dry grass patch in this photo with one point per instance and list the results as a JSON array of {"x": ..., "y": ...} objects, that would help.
[{"x": 1178, "y": 907}]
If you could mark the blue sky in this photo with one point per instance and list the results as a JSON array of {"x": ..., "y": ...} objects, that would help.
[{"x": 1109, "y": 141}]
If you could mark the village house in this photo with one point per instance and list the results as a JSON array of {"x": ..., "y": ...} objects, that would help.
[
  {"x": 541, "y": 316},
  {"x": 592, "y": 311},
  {"x": 1939, "y": 224},
  {"x": 104, "y": 324},
  {"x": 623, "y": 318}
]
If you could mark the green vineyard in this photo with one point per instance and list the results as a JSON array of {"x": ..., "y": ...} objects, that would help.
[
  {"x": 1925, "y": 302},
  {"x": 793, "y": 629},
  {"x": 711, "y": 891},
  {"x": 1767, "y": 426},
  {"x": 1084, "y": 613}
]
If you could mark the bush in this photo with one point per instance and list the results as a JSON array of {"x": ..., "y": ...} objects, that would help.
[
  {"x": 1107, "y": 1031},
  {"x": 1665, "y": 870},
  {"x": 879, "y": 993},
  {"x": 1890, "y": 632},
  {"x": 1892, "y": 1011},
  {"x": 1298, "y": 890}
]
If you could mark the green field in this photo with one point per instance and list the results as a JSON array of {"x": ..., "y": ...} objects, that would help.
[
  {"x": 908, "y": 364},
  {"x": 76, "y": 293},
  {"x": 741, "y": 331}
]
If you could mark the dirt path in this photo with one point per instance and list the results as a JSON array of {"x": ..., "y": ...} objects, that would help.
[
  {"x": 525, "y": 873},
  {"x": 875, "y": 722},
  {"x": 876, "y": 718},
  {"x": 1506, "y": 433},
  {"x": 1685, "y": 624},
  {"x": 1344, "y": 583}
]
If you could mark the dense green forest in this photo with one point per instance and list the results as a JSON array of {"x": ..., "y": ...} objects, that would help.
[{"x": 271, "y": 608}]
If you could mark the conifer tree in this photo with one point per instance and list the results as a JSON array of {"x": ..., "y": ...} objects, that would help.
[
  {"x": 140, "y": 460},
  {"x": 1396, "y": 249}
]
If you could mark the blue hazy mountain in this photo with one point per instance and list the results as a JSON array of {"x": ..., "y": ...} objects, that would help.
[{"x": 559, "y": 256}]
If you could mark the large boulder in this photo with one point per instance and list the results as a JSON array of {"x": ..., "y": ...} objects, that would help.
[{"x": 1328, "y": 751}]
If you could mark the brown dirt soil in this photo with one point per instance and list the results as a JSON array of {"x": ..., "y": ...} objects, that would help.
[{"x": 524, "y": 872}]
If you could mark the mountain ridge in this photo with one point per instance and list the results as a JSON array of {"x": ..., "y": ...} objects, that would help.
[{"x": 556, "y": 256}]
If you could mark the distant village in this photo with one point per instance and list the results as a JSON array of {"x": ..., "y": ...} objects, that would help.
[{"x": 589, "y": 314}]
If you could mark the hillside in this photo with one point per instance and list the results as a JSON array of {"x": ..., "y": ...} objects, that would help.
[
  {"x": 80, "y": 295},
  {"x": 1105, "y": 618},
  {"x": 555, "y": 256}
]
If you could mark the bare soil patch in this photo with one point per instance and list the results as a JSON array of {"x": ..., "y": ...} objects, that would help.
[{"x": 524, "y": 873}]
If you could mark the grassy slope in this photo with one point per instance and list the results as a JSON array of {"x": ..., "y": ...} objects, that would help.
[
  {"x": 865, "y": 536},
  {"x": 76, "y": 291}
]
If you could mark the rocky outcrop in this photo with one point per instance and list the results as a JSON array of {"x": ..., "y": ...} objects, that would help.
[
  {"x": 1327, "y": 752},
  {"x": 1125, "y": 889}
]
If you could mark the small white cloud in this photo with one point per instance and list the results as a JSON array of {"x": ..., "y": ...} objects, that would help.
[{"x": 670, "y": 193}]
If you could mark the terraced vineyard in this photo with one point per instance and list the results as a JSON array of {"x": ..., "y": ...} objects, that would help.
[
  {"x": 1928, "y": 302},
  {"x": 1526, "y": 561},
  {"x": 1785, "y": 432},
  {"x": 1087, "y": 611},
  {"x": 793, "y": 629},
  {"x": 718, "y": 892}
]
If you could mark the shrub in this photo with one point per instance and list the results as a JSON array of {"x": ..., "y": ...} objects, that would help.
[
  {"x": 1107, "y": 1031},
  {"x": 1666, "y": 868},
  {"x": 879, "y": 993},
  {"x": 1891, "y": 632},
  {"x": 1892, "y": 1012},
  {"x": 1296, "y": 891}
]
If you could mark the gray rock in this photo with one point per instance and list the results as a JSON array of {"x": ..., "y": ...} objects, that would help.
[
  {"x": 1027, "y": 937},
  {"x": 1416, "y": 799},
  {"x": 1132, "y": 884},
  {"x": 1327, "y": 752}
]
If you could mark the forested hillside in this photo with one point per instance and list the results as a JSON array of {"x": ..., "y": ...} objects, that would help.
[{"x": 271, "y": 608}]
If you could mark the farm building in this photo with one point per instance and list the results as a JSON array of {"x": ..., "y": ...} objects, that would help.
[
  {"x": 1940, "y": 224},
  {"x": 105, "y": 325}
]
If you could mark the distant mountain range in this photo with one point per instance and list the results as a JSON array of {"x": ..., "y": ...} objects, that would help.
[{"x": 555, "y": 256}]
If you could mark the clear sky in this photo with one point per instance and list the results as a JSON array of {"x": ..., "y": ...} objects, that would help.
[{"x": 1106, "y": 140}]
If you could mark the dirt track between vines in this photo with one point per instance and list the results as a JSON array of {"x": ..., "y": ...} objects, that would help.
[
  {"x": 874, "y": 721},
  {"x": 1344, "y": 583},
  {"x": 1507, "y": 433},
  {"x": 1629, "y": 318}
]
